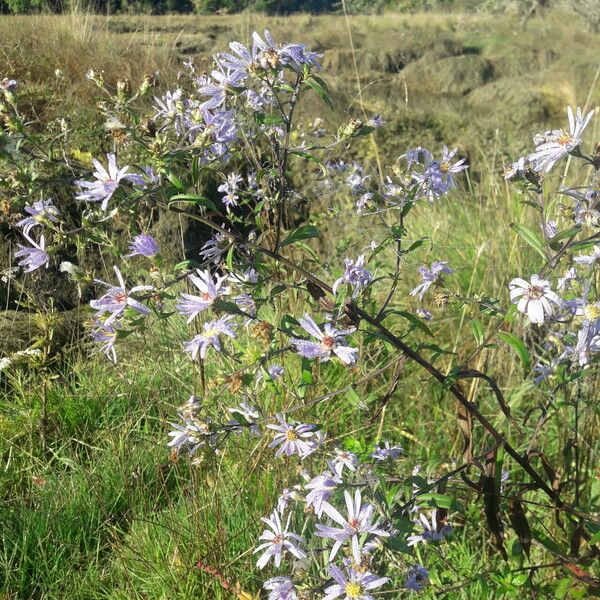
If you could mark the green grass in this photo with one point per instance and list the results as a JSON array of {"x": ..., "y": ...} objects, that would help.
[{"x": 91, "y": 504}]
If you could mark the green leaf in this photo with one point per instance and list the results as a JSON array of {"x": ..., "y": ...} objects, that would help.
[
  {"x": 186, "y": 264},
  {"x": 477, "y": 330},
  {"x": 312, "y": 158},
  {"x": 518, "y": 346},
  {"x": 442, "y": 501},
  {"x": 531, "y": 238},
  {"x": 567, "y": 233},
  {"x": 318, "y": 85},
  {"x": 193, "y": 199},
  {"x": 409, "y": 317},
  {"x": 264, "y": 119},
  {"x": 175, "y": 181},
  {"x": 302, "y": 233}
]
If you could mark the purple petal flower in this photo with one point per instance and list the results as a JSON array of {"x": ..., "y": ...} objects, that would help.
[
  {"x": 352, "y": 585},
  {"x": 558, "y": 143},
  {"x": 117, "y": 299},
  {"x": 280, "y": 588},
  {"x": 355, "y": 275},
  {"x": 209, "y": 338},
  {"x": 40, "y": 211},
  {"x": 33, "y": 257},
  {"x": 294, "y": 438},
  {"x": 278, "y": 541},
  {"x": 210, "y": 289},
  {"x": 430, "y": 276},
  {"x": 105, "y": 185},
  {"x": 331, "y": 341},
  {"x": 357, "y": 523},
  {"x": 417, "y": 578},
  {"x": 143, "y": 245}
]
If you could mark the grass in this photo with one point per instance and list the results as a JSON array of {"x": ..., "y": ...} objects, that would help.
[{"x": 92, "y": 506}]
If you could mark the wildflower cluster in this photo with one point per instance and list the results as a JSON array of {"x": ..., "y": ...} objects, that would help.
[{"x": 259, "y": 316}]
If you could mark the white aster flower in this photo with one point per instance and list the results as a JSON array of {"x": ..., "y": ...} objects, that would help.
[{"x": 534, "y": 298}]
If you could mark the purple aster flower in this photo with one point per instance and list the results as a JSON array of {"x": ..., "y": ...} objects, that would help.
[
  {"x": 424, "y": 314},
  {"x": 117, "y": 299},
  {"x": 217, "y": 86},
  {"x": 437, "y": 177},
  {"x": 275, "y": 371},
  {"x": 293, "y": 438},
  {"x": 430, "y": 531},
  {"x": 33, "y": 257},
  {"x": 331, "y": 341},
  {"x": 278, "y": 540},
  {"x": 215, "y": 248},
  {"x": 417, "y": 155},
  {"x": 40, "y": 211},
  {"x": 106, "y": 184},
  {"x": 321, "y": 487},
  {"x": 249, "y": 276},
  {"x": 358, "y": 181},
  {"x": 417, "y": 578},
  {"x": 143, "y": 245},
  {"x": 217, "y": 132},
  {"x": 588, "y": 259},
  {"x": 106, "y": 335},
  {"x": 230, "y": 188},
  {"x": 543, "y": 372},
  {"x": 387, "y": 452},
  {"x": 533, "y": 299},
  {"x": 376, "y": 121},
  {"x": 558, "y": 143},
  {"x": 430, "y": 276},
  {"x": 280, "y": 588},
  {"x": 588, "y": 336},
  {"x": 352, "y": 585},
  {"x": 210, "y": 337},
  {"x": 344, "y": 458},
  {"x": 193, "y": 434},
  {"x": 210, "y": 289},
  {"x": 357, "y": 523},
  {"x": 173, "y": 109},
  {"x": 550, "y": 229},
  {"x": 363, "y": 202},
  {"x": 8, "y": 85},
  {"x": 355, "y": 275}
]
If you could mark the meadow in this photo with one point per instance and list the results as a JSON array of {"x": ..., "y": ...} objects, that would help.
[{"x": 93, "y": 504}]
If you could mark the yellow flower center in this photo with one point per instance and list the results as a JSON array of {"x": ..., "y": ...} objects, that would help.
[
  {"x": 564, "y": 138},
  {"x": 291, "y": 435},
  {"x": 444, "y": 167},
  {"x": 353, "y": 590},
  {"x": 592, "y": 312}
]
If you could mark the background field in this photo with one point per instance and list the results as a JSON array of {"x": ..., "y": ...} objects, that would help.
[{"x": 94, "y": 508}]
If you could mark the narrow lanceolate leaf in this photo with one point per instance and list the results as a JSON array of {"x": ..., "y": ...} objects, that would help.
[
  {"x": 193, "y": 199},
  {"x": 518, "y": 520},
  {"x": 518, "y": 346},
  {"x": 477, "y": 330},
  {"x": 318, "y": 85},
  {"x": 302, "y": 233},
  {"x": 491, "y": 502},
  {"x": 531, "y": 238}
]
